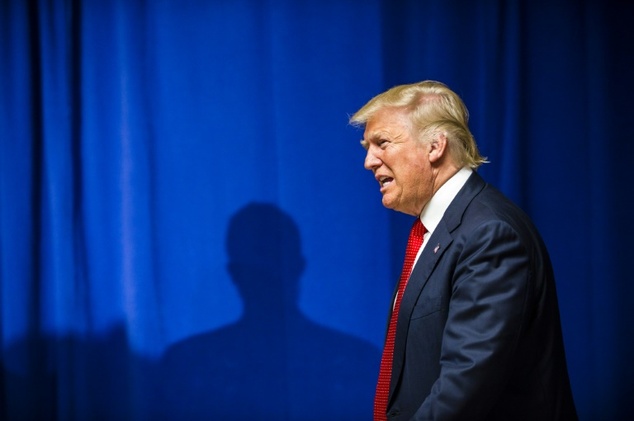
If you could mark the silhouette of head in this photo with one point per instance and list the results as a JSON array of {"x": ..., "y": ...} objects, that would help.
[{"x": 265, "y": 257}]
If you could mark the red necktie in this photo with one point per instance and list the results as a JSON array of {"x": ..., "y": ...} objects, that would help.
[{"x": 383, "y": 385}]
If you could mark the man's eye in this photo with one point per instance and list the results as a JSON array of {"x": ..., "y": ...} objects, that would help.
[{"x": 383, "y": 143}]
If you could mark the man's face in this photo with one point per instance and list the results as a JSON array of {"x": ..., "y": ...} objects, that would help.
[{"x": 399, "y": 162}]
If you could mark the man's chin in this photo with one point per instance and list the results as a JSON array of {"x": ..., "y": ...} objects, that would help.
[{"x": 390, "y": 204}]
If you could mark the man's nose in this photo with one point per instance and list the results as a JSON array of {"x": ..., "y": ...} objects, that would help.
[{"x": 371, "y": 161}]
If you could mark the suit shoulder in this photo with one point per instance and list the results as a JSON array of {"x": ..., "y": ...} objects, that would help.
[{"x": 491, "y": 204}]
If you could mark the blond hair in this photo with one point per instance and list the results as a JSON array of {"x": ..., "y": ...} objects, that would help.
[{"x": 433, "y": 108}]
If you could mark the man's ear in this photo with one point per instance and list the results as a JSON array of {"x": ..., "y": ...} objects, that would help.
[{"x": 438, "y": 147}]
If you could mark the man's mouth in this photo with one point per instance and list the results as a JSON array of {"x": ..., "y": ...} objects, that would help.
[{"x": 385, "y": 181}]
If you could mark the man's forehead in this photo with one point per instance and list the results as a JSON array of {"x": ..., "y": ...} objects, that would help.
[
  {"x": 370, "y": 133},
  {"x": 390, "y": 126}
]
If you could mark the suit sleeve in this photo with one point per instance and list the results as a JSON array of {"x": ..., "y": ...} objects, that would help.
[{"x": 487, "y": 313}]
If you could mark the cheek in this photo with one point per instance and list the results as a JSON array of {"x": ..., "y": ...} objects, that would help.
[
  {"x": 412, "y": 175},
  {"x": 415, "y": 184}
]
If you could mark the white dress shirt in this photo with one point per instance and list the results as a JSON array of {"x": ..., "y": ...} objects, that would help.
[{"x": 435, "y": 209}]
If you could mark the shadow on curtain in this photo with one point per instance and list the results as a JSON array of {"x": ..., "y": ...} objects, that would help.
[{"x": 274, "y": 361}]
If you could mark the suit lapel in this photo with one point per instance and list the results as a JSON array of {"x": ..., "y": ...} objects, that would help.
[{"x": 437, "y": 244}]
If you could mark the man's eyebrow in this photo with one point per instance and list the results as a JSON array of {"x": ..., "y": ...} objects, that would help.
[{"x": 372, "y": 137}]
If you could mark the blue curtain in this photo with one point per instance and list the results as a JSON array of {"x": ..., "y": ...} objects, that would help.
[{"x": 186, "y": 228}]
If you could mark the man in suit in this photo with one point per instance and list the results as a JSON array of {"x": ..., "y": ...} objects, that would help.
[{"x": 476, "y": 330}]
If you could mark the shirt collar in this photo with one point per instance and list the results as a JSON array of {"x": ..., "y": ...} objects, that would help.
[{"x": 436, "y": 207}]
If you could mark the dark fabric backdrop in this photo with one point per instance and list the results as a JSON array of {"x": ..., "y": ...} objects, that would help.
[{"x": 186, "y": 227}]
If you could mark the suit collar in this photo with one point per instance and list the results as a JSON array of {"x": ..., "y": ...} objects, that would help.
[
  {"x": 453, "y": 216},
  {"x": 437, "y": 206}
]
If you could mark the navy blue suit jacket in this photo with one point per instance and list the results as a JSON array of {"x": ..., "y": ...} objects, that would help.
[{"x": 479, "y": 335}]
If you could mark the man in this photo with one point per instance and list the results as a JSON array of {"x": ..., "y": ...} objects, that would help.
[{"x": 475, "y": 331}]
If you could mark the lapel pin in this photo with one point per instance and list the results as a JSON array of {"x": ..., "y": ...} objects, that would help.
[{"x": 436, "y": 248}]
